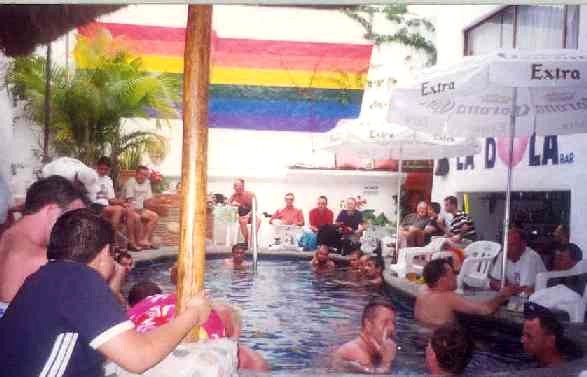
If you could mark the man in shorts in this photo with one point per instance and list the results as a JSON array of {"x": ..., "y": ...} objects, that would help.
[
  {"x": 243, "y": 200},
  {"x": 105, "y": 202},
  {"x": 141, "y": 221}
]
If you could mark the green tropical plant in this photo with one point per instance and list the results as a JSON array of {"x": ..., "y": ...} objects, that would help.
[
  {"x": 370, "y": 217},
  {"x": 136, "y": 144},
  {"x": 90, "y": 105}
]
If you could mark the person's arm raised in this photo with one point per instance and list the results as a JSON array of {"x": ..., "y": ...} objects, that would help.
[
  {"x": 138, "y": 352},
  {"x": 388, "y": 352},
  {"x": 462, "y": 305}
]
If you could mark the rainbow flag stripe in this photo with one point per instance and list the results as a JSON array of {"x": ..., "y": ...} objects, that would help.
[{"x": 260, "y": 84}]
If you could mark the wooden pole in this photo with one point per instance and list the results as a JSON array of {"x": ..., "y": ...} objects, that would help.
[{"x": 192, "y": 243}]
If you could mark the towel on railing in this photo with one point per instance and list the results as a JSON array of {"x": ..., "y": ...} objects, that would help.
[{"x": 555, "y": 297}]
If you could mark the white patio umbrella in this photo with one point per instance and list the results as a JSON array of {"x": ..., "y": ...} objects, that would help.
[
  {"x": 383, "y": 140},
  {"x": 507, "y": 93}
]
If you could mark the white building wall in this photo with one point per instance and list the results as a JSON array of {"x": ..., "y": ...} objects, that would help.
[
  {"x": 20, "y": 142},
  {"x": 262, "y": 157},
  {"x": 264, "y": 154},
  {"x": 307, "y": 186},
  {"x": 450, "y": 21}
]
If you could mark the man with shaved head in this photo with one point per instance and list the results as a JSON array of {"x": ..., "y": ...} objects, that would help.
[{"x": 374, "y": 350}]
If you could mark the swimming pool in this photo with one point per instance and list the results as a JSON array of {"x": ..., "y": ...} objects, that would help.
[{"x": 296, "y": 318}]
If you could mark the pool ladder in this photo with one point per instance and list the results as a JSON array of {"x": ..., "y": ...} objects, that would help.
[{"x": 254, "y": 239}]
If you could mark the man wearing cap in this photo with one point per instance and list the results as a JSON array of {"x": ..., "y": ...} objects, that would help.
[{"x": 542, "y": 335}]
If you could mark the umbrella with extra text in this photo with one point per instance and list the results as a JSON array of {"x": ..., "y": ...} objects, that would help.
[
  {"x": 507, "y": 93},
  {"x": 381, "y": 140}
]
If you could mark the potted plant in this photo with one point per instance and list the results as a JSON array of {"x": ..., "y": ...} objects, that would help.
[{"x": 88, "y": 107}]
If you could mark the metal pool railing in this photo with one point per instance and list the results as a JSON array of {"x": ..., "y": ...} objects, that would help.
[{"x": 254, "y": 241}]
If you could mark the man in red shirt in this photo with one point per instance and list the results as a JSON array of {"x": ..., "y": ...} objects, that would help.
[
  {"x": 289, "y": 215},
  {"x": 320, "y": 215},
  {"x": 244, "y": 201}
]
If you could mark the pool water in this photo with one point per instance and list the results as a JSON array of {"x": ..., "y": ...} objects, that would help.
[{"x": 296, "y": 318}]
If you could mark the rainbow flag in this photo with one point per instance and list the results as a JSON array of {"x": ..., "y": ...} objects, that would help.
[{"x": 261, "y": 84}]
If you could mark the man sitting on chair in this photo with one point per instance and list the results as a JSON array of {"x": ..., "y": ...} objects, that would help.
[
  {"x": 289, "y": 215},
  {"x": 350, "y": 219},
  {"x": 141, "y": 221},
  {"x": 320, "y": 215},
  {"x": 523, "y": 264},
  {"x": 413, "y": 225},
  {"x": 565, "y": 258},
  {"x": 106, "y": 203},
  {"x": 457, "y": 225}
]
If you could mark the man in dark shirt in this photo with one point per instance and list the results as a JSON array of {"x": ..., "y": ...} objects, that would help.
[
  {"x": 565, "y": 258},
  {"x": 65, "y": 319},
  {"x": 350, "y": 219},
  {"x": 433, "y": 228}
]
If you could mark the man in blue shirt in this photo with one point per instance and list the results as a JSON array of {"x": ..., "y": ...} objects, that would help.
[{"x": 65, "y": 319}]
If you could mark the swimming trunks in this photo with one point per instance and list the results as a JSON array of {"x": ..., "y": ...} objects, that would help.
[
  {"x": 157, "y": 310},
  {"x": 3, "y": 307}
]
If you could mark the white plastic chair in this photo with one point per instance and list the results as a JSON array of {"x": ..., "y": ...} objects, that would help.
[
  {"x": 441, "y": 255},
  {"x": 405, "y": 260},
  {"x": 479, "y": 257},
  {"x": 576, "y": 309}
]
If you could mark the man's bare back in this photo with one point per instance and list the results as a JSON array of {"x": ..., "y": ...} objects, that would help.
[
  {"x": 433, "y": 309},
  {"x": 19, "y": 257},
  {"x": 439, "y": 304},
  {"x": 437, "y": 308}
]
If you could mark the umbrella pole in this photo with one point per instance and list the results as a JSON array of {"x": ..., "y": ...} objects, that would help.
[
  {"x": 506, "y": 221},
  {"x": 399, "y": 196},
  {"x": 191, "y": 258}
]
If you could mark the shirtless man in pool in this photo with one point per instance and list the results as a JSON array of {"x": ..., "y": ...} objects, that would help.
[
  {"x": 237, "y": 261},
  {"x": 438, "y": 305},
  {"x": 23, "y": 247},
  {"x": 321, "y": 261},
  {"x": 374, "y": 350}
]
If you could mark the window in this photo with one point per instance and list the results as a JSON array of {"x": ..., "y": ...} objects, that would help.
[
  {"x": 525, "y": 27},
  {"x": 538, "y": 213}
]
